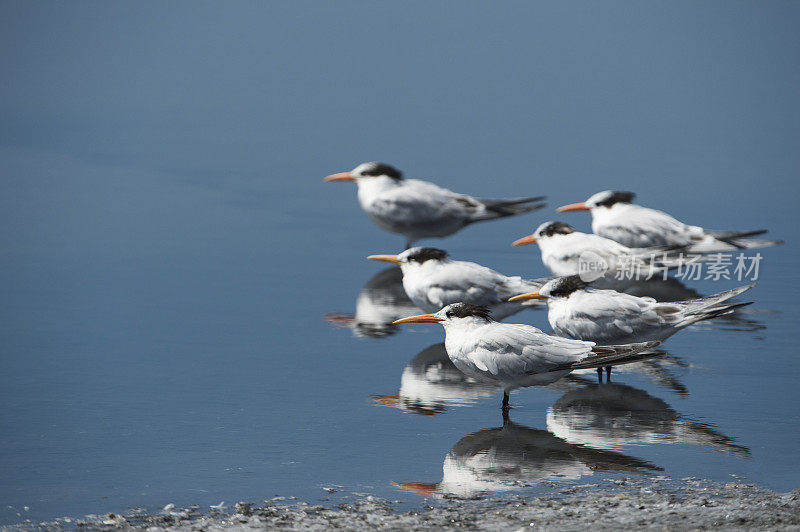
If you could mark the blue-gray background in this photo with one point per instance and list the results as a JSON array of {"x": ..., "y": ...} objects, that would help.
[{"x": 169, "y": 249}]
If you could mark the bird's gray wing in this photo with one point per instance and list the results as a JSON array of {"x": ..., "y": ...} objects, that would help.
[
  {"x": 513, "y": 350},
  {"x": 467, "y": 282},
  {"x": 643, "y": 227},
  {"x": 420, "y": 202}
]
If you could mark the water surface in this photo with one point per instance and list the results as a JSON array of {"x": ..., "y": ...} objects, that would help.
[{"x": 186, "y": 307}]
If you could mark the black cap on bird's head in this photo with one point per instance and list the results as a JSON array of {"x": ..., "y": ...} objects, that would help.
[
  {"x": 418, "y": 255},
  {"x": 466, "y": 310},
  {"x": 452, "y": 312},
  {"x": 606, "y": 198},
  {"x": 554, "y": 228},
  {"x": 563, "y": 286},
  {"x": 378, "y": 169},
  {"x": 558, "y": 287},
  {"x": 543, "y": 231},
  {"x": 366, "y": 170}
]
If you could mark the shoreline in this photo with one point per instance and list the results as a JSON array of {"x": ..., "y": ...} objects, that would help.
[{"x": 611, "y": 504}]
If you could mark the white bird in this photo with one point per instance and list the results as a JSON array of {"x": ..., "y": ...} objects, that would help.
[
  {"x": 419, "y": 209},
  {"x": 432, "y": 280},
  {"x": 514, "y": 355},
  {"x": 614, "y": 216},
  {"x": 567, "y": 252},
  {"x": 578, "y": 311},
  {"x": 509, "y": 457}
]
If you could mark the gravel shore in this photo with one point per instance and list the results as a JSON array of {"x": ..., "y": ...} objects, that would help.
[{"x": 688, "y": 504}]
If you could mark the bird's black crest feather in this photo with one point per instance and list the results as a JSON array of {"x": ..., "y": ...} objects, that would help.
[
  {"x": 465, "y": 310},
  {"x": 423, "y": 254},
  {"x": 617, "y": 197},
  {"x": 566, "y": 285},
  {"x": 557, "y": 228},
  {"x": 378, "y": 169}
]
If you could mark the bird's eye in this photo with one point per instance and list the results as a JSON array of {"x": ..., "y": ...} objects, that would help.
[{"x": 449, "y": 313}]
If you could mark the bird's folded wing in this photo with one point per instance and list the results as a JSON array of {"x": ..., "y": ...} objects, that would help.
[
  {"x": 444, "y": 198},
  {"x": 423, "y": 202},
  {"x": 516, "y": 350},
  {"x": 649, "y": 227},
  {"x": 625, "y": 313},
  {"x": 600, "y": 245},
  {"x": 467, "y": 281},
  {"x": 476, "y": 284}
]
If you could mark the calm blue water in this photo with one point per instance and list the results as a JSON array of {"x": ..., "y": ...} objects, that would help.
[{"x": 175, "y": 274}]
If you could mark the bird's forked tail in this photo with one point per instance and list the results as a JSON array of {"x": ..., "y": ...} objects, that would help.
[
  {"x": 500, "y": 208},
  {"x": 615, "y": 355}
]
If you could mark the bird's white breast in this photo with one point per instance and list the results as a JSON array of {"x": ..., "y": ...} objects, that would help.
[
  {"x": 370, "y": 189},
  {"x": 420, "y": 281}
]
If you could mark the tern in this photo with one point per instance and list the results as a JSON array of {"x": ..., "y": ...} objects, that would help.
[
  {"x": 580, "y": 312},
  {"x": 514, "y": 355},
  {"x": 567, "y": 252},
  {"x": 432, "y": 281},
  {"x": 419, "y": 209},
  {"x": 614, "y": 216}
]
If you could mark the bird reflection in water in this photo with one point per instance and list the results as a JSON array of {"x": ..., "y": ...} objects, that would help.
[
  {"x": 382, "y": 300},
  {"x": 515, "y": 456},
  {"x": 661, "y": 371},
  {"x": 430, "y": 383},
  {"x": 586, "y": 428},
  {"x": 612, "y": 415}
]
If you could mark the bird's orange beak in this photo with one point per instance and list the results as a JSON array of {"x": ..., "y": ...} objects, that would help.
[
  {"x": 385, "y": 258},
  {"x": 530, "y": 239},
  {"x": 341, "y": 176},
  {"x": 573, "y": 207},
  {"x": 426, "y": 489},
  {"x": 529, "y": 295},
  {"x": 422, "y": 318}
]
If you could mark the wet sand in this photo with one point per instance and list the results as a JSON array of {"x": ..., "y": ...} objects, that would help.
[{"x": 688, "y": 504}]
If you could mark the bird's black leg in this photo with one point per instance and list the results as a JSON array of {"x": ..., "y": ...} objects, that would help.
[
  {"x": 599, "y": 375},
  {"x": 608, "y": 373},
  {"x": 505, "y": 401}
]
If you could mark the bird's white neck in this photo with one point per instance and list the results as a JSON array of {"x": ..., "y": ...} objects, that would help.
[
  {"x": 371, "y": 187},
  {"x": 556, "y": 304},
  {"x": 463, "y": 327},
  {"x": 550, "y": 244},
  {"x": 603, "y": 213}
]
